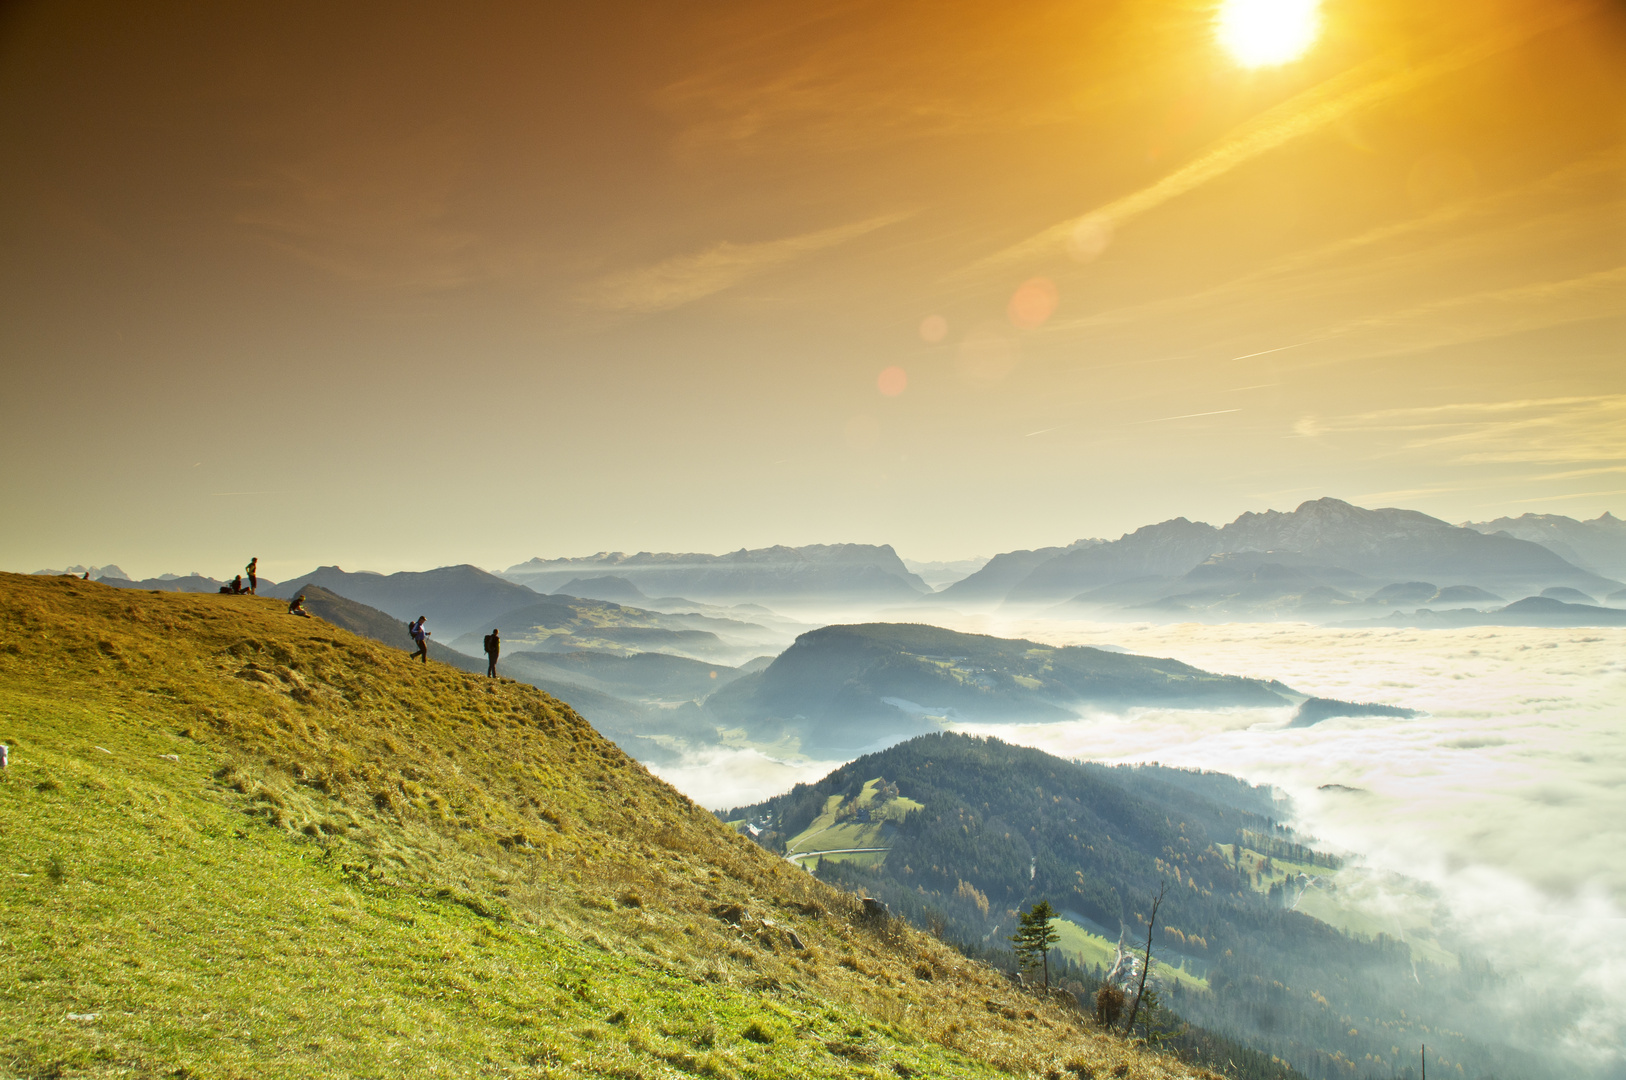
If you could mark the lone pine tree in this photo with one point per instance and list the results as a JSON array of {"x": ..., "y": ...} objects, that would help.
[{"x": 1035, "y": 937}]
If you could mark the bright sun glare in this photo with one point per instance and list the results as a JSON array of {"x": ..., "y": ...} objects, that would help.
[{"x": 1260, "y": 33}]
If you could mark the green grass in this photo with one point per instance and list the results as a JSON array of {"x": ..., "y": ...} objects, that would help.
[
  {"x": 201, "y": 940},
  {"x": 1092, "y": 949},
  {"x": 832, "y": 830},
  {"x": 247, "y": 845}
]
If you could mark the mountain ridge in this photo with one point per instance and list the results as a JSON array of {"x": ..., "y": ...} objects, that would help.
[
  {"x": 813, "y": 572},
  {"x": 1384, "y": 545}
]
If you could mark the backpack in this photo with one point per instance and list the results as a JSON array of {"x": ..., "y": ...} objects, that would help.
[
  {"x": 412, "y": 631},
  {"x": 488, "y": 641}
]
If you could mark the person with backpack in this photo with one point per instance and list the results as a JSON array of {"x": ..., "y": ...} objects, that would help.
[
  {"x": 493, "y": 646},
  {"x": 421, "y": 636}
]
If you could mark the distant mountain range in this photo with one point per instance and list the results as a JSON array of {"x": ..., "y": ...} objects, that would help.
[
  {"x": 559, "y": 623},
  {"x": 370, "y": 622},
  {"x": 170, "y": 583},
  {"x": 817, "y": 573},
  {"x": 938, "y": 575},
  {"x": 1325, "y": 561},
  {"x": 455, "y": 599},
  {"x": 1318, "y": 561},
  {"x": 1598, "y": 545},
  {"x": 1531, "y": 611}
]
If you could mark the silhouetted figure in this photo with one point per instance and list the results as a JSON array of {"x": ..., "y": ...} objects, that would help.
[
  {"x": 87, "y": 575},
  {"x": 421, "y": 636},
  {"x": 297, "y": 607},
  {"x": 237, "y": 585},
  {"x": 253, "y": 569},
  {"x": 493, "y": 647}
]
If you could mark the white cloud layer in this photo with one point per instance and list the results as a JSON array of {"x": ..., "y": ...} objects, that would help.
[
  {"x": 722, "y": 779},
  {"x": 1509, "y": 796}
]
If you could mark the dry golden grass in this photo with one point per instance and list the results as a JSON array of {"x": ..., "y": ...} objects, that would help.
[{"x": 489, "y": 795}]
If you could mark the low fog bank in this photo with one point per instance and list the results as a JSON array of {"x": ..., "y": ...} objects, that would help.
[
  {"x": 725, "y": 777},
  {"x": 1506, "y": 800}
]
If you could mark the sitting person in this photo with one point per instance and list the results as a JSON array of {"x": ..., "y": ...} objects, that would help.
[
  {"x": 237, "y": 585},
  {"x": 296, "y": 606}
]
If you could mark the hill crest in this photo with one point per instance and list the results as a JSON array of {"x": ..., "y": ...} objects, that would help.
[{"x": 313, "y": 854}]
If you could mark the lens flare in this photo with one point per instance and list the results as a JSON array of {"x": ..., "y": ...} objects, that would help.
[
  {"x": 1263, "y": 33},
  {"x": 1032, "y": 304},
  {"x": 893, "y": 381}
]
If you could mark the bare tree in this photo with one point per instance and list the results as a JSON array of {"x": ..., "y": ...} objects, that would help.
[{"x": 1146, "y": 962}]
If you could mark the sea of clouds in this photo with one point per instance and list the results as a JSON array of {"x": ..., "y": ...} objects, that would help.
[{"x": 1506, "y": 799}]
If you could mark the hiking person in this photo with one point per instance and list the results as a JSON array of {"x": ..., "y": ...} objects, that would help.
[
  {"x": 253, "y": 569},
  {"x": 493, "y": 646},
  {"x": 421, "y": 636},
  {"x": 296, "y": 606}
]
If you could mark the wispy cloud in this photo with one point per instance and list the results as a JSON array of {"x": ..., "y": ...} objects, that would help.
[
  {"x": 1438, "y": 246},
  {"x": 1479, "y": 316},
  {"x": 683, "y": 279},
  {"x": 1573, "y": 495},
  {"x": 1556, "y": 430},
  {"x": 1339, "y": 97}
]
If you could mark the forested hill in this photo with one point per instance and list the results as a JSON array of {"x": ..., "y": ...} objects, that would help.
[
  {"x": 999, "y": 827},
  {"x": 842, "y": 689}
]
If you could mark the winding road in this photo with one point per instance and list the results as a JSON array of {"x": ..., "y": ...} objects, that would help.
[{"x": 793, "y": 856}]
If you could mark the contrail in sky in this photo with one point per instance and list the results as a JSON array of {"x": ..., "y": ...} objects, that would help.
[
  {"x": 1188, "y": 416},
  {"x": 1267, "y": 352}
]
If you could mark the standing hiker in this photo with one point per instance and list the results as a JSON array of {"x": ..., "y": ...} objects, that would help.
[
  {"x": 421, "y": 636},
  {"x": 253, "y": 569},
  {"x": 493, "y": 646}
]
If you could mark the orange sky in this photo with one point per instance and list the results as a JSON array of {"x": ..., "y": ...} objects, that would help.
[{"x": 396, "y": 286}]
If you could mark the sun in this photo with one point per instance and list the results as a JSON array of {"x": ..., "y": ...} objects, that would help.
[{"x": 1262, "y": 33}]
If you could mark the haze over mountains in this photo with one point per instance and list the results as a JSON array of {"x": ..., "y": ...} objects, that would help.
[
  {"x": 1327, "y": 560},
  {"x": 1598, "y": 545},
  {"x": 817, "y": 573},
  {"x": 1321, "y": 559}
]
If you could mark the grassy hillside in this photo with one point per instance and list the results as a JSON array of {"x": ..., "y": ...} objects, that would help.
[{"x": 242, "y": 844}]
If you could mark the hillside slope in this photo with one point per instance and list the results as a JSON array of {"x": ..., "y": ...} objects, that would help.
[
  {"x": 239, "y": 843},
  {"x": 990, "y": 828}
]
